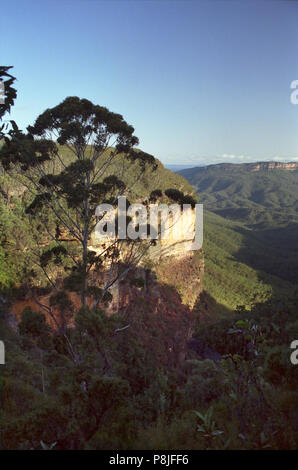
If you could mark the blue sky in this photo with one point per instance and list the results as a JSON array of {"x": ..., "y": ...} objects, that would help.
[{"x": 201, "y": 81}]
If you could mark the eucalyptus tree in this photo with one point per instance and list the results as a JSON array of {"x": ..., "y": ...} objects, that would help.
[{"x": 71, "y": 160}]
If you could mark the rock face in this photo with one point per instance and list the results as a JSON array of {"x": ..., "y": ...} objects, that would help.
[
  {"x": 176, "y": 240},
  {"x": 170, "y": 258},
  {"x": 291, "y": 166},
  {"x": 258, "y": 166},
  {"x": 169, "y": 282}
]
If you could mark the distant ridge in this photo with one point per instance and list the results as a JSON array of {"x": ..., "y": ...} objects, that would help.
[
  {"x": 258, "y": 194},
  {"x": 255, "y": 166},
  {"x": 250, "y": 230}
]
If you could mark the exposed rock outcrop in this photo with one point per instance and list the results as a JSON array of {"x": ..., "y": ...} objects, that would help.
[{"x": 257, "y": 166}]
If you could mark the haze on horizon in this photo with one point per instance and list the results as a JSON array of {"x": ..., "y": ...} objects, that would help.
[{"x": 201, "y": 82}]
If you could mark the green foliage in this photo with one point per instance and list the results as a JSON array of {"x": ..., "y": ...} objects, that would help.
[
  {"x": 179, "y": 197},
  {"x": 118, "y": 395},
  {"x": 32, "y": 323},
  {"x": 154, "y": 195},
  {"x": 16, "y": 236},
  {"x": 230, "y": 280},
  {"x": 10, "y": 93},
  {"x": 208, "y": 427},
  {"x": 116, "y": 381}
]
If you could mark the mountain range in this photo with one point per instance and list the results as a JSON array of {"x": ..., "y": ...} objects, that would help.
[{"x": 250, "y": 230}]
